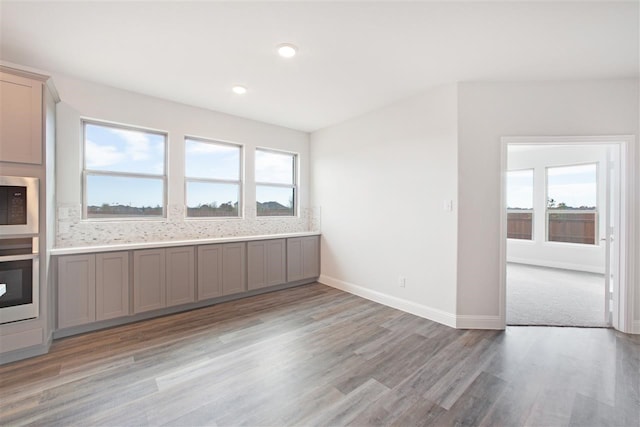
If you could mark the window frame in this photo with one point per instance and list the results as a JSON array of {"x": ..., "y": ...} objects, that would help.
[
  {"x": 596, "y": 219},
  {"x": 89, "y": 172},
  {"x": 293, "y": 185},
  {"x": 239, "y": 182}
]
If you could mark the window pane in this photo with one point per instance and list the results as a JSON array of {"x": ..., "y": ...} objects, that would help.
[
  {"x": 211, "y": 160},
  {"x": 572, "y": 204},
  {"x": 520, "y": 204},
  {"x": 116, "y": 149},
  {"x": 207, "y": 199},
  {"x": 275, "y": 168},
  {"x": 572, "y": 187},
  {"x": 520, "y": 189},
  {"x": 274, "y": 201},
  {"x": 114, "y": 196}
]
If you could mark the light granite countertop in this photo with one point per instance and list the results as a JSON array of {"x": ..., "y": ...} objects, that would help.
[{"x": 172, "y": 243}]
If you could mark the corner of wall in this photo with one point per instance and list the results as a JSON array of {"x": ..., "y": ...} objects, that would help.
[{"x": 430, "y": 313}]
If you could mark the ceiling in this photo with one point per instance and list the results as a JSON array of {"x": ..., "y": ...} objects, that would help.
[{"x": 354, "y": 56}]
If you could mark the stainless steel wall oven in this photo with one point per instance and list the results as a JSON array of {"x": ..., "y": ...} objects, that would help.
[
  {"x": 19, "y": 284},
  {"x": 19, "y": 258}
]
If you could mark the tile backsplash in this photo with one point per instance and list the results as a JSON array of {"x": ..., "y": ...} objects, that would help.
[{"x": 72, "y": 231}]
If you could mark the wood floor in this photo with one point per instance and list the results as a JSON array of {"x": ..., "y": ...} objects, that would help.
[{"x": 314, "y": 355}]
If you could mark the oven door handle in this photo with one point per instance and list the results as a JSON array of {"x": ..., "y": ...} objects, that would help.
[{"x": 24, "y": 257}]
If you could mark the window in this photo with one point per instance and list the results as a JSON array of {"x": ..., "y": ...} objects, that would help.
[
  {"x": 124, "y": 171},
  {"x": 572, "y": 214},
  {"x": 276, "y": 190},
  {"x": 213, "y": 185},
  {"x": 520, "y": 204}
]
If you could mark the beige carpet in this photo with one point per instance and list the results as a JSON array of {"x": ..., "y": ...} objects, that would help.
[{"x": 554, "y": 297}]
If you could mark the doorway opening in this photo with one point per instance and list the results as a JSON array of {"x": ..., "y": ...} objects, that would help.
[{"x": 563, "y": 231}]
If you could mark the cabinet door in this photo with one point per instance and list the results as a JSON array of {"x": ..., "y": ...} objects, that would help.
[
  {"x": 180, "y": 275},
  {"x": 256, "y": 265},
  {"x": 303, "y": 258},
  {"x": 276, "y": 262},
  {"x": 266, "y": 263},
  {"x": 233, "y": 267},
  {"x": 294, "y": 259},
  {"x": 21, "y": 118},
  {"x": 149, "y": 291},
  {"x": 112, "y": 285},
  {"x": 209, "y": 271},
  {"x": 310, "y": 257},
  {"x": 76, "y": 290}
]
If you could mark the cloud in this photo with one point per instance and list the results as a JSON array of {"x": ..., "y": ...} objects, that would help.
[
  {"x": 138, "y": 145},
  {"x": 589, "y": 169},
  {"x": 579, "y": 194},
  {"x": 274, "y": 167},
  {"x": 197, "y": 147},
  {"x": 99, "y": 156}
]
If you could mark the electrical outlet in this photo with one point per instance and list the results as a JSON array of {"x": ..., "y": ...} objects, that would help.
[{"x": 402, "y": 281}]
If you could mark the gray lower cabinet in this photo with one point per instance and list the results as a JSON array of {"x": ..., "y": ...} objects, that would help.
[
  {"x": 163, "y": 278},
  {"x": 266, "y": 263},
  {"x": 221, "y": 270},
  {"x": 76, "y": 290},
  {"x": 149, "y": 290},
  {"x": 112, "y": 285},
  {"x": 98, "y": 286},
  {"x": 233, "y": 277},
  {"x": 209, "y": 271},
  {"x": 303, "y": 258},
  {"x": 180, "y": 271},
  {"x": 92, "y": 287}
]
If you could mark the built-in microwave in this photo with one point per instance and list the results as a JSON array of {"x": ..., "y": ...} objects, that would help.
[{"x": 18, "y": 206}]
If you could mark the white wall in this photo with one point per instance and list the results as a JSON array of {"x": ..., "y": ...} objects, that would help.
[
  {"x": 380, "y": 181},
  {"x": 81, "y": 99},
  {"x": 539, "y": 251},
  {"x": 489, "y": 111}
]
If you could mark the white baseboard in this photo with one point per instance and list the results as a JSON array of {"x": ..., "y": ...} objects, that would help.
[
  {"x": 421, "y": 310},
  {"x": 556, "y": 264}
]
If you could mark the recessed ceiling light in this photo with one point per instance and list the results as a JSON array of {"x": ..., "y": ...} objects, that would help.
[
  {"x": 287, "y": 50},
  {"x": 240, "y": 90}
]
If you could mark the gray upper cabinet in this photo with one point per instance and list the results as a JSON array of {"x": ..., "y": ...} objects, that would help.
[
  {"x": 112, "y": 285},
  {"x": 266, "y": 263},
  {"x": 180, "y": 278},
  {"x": 303, "y": 258},
  {"x": 76, "y": 290},
  {"x": 209, "y": 271},
  {"x": 21, "y": 118},
  {"x": 149, "y": 290}
]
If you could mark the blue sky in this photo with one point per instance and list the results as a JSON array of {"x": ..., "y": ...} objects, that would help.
[
  {"x": 121, "y": 150},
  {"x": 574, "y": 185},
  {"x": 520, "y": 189}
]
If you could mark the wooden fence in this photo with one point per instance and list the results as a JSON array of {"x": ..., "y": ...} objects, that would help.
[
  {"x": 563, "y": 226},
  {"x": 572, "y": 227},
  {"x": 520, "y": 225}
]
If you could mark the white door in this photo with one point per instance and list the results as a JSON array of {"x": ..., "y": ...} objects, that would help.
[{"x": 610, "y": 236}]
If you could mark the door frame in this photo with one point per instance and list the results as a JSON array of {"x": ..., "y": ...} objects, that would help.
[{"x": 623, "y": 319}]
